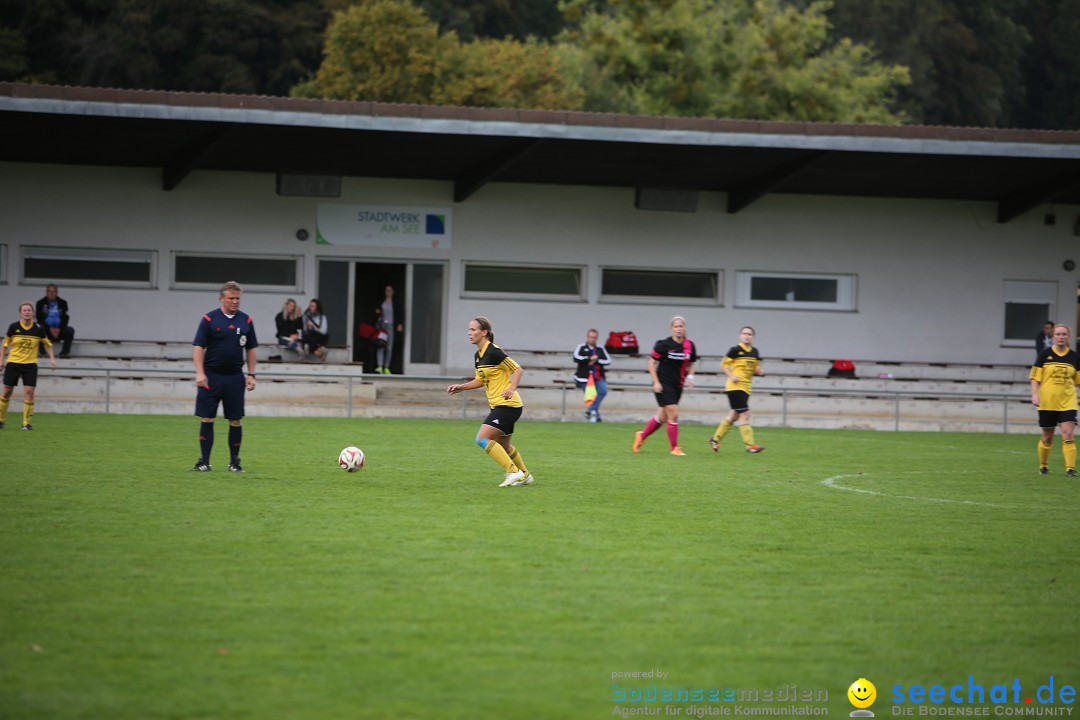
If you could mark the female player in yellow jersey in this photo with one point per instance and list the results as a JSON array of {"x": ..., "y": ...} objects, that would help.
[
  {"x": 741, "y": 364},
  {"x": 1054, "y": 378},
  {"x": 499, "y": 375},
  {"x": 21, "y": 343}
]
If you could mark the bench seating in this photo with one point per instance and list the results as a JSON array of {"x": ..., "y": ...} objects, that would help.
[
  {"x": 180, "y": 350},
  {"x": 709, "y": 365}
]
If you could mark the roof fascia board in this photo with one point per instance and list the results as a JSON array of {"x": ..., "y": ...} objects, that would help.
[{"x": 554, "y": 131}]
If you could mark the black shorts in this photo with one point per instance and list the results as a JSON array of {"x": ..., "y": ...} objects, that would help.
[
  {"x": 26, "y": 371},
  {"x": 739, "y": 400},
  {"x": 502, "y": 418},
  {"x": 1053, "y": 418},
  {"x": 668, "y": 396},
  {"x": 228, "y": 390}
]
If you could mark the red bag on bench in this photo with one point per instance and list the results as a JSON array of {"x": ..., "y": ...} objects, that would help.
[
  {"x": 622, "y": 342},
  {"x": 842, "y": 368}
]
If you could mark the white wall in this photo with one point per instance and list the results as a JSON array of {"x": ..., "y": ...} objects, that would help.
[{"x": 930, "y": 273}]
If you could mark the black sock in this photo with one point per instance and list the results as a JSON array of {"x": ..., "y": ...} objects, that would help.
[
  {"x": 206, "y": 440},
  {"x": 236, "y": 434}
]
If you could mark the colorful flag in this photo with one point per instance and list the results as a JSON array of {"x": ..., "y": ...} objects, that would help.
[{"x": 590, "y": 391}]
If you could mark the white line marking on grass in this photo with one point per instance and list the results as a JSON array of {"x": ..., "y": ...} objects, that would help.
[{"x": 831, "y": 482}]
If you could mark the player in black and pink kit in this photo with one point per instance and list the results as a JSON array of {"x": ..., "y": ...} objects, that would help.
[
  {"x": 671, "y": 366},
  {"x": 223, "y": 339}
]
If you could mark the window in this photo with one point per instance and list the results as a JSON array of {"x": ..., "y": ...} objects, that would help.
[
  {"x": 89, "y": 266},
  {"x": 266, "y": 272},
  {"x": 541, "y": 282},
  {"x": 797, "y": 291},
  {"x": 630, "y": 284},
  {"x": 1027, "y": 306}
]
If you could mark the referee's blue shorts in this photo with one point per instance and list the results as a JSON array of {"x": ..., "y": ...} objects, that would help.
[{"x": 226, "y": 390}]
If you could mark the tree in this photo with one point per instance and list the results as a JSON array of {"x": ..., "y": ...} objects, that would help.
[
  {"x": 1050, "y": 67},
  {"x": 964, "y": 57},
  {"x": 383, "y": 50},
  {"x": 505, "y": 73},
  {"x": 725, "y": 58},
  {"x": 389, "y": 51},
  {"x": 238, "y": 46},
  {"x": 496, "y": 19}
]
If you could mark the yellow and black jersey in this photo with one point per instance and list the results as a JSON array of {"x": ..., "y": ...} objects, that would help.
[
  {"x": 23, "y": 342},
  {"x": 1058, "y": 374},
  {"x": 743, "y": 360},
  {"x": 494, "y": 368}
]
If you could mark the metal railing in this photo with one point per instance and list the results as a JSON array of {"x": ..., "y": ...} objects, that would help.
[
  {"x": 350, "y": 380},
  {"x": 785, "y": 394},
  {"x": 110, "y": 376}
]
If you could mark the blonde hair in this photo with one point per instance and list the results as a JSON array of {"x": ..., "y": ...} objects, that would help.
[
  {"x": 231, "y": 285},
  {"x": 296, "y": 312}
]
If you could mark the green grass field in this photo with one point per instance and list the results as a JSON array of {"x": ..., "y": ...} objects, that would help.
[{"x": 416, "y": 588}]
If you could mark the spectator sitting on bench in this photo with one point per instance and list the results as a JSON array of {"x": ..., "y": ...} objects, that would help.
[
  {"x": 52, "y": 314},
  {"x": 316, "y": 329},
  {"x": 289, "y": 326}
]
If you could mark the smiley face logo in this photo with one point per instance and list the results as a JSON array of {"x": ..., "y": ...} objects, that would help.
[{"x": 862, "y": 693}]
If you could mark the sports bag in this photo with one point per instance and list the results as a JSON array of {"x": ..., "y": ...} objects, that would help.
[
  {"x": 367, "y": 331},
  {"x": 622, "y": 342},
  {"x": 842, "y": 368}
]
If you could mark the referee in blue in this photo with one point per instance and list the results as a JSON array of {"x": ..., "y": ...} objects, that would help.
[{"x": 221, "y": 342}]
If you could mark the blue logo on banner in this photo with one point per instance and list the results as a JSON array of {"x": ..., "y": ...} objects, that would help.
[{"x": 435, "y": 224}]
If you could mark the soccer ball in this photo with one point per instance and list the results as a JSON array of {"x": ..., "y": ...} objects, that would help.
[{"x": 351, "y": 459}]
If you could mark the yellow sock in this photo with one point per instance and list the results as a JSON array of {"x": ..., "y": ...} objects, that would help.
[
  {"x": 1068, "y": 449},
  {"x": 495, "y": 450},
  {"x": 747, "y": 433},
  {"x": 515, "y": 457},
  {"x": 28, "y": 415},
  {"x": 1044, "y": 453},
  {"x": 722, "y": 429},
  {"x": 3, "y": 408}
]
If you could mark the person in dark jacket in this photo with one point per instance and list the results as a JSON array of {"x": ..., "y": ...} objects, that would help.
[
  {"x": 592, "y": 359},
  {"x": 52, "y": 314}
]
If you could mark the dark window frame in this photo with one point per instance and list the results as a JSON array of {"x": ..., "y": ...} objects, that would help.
[{"x": 186, "y": 280}]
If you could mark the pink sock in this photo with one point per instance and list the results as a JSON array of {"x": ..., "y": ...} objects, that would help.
[
  {"x": 673, "y": 434},
  {"x": 650, "y": 427}
]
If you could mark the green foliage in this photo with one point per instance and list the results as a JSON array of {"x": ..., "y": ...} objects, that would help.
[
  {"x": 971, "y": 63},
  {"x": 519, "y": 19},
  {"x": 1051, "y": 68},
  {"x": 946, "y": 62},
  {"x": 135, "y": 589},
  {"x": 728, "y": 58},
  {"x": 382, "y": 50},
  {"x": 505, "y": 73},
  {"x": 496, "y": 19},
  {"x": 389, "y": 51},
  {"x": 235, "y": 46}
]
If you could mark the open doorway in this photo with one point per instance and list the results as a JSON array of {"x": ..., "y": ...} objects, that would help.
[{"x": 372, "y": 278}]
